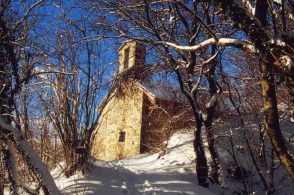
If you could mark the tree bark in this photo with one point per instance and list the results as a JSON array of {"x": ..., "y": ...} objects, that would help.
[
  {"x": 201, "y": 161},
  {"x": 271, "y": 116},
  {"x": 210, "y": 110},
  {"x": 256, "y": 32},
  {"x": 213, "y": 153},
  {"x": 9, "y": 166},
  {"x": 70, "y": 159}
]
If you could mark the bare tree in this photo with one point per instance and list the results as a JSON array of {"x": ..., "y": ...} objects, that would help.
[
  {"x": 170, "y": 21},
  {"x": 189, "y": 37},
  {"x": 276, "y": 59},
  {"x": 12, "y": 33},
  {"x": 71, "y": 81}
]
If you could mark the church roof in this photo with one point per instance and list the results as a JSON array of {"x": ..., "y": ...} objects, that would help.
[
  {"x": 153, "y": 89},
  {"x": 162, "y": 90}
]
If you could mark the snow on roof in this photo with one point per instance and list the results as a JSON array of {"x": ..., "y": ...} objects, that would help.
[{"x": 162, "y": 90}]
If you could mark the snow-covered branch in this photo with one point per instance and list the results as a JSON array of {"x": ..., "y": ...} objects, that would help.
[
  {"x": 260, "y": 36},
  {"x": 30, "y": 156},
  {"x": 212, "y": 102},
  {"x": 248, "y": 6},
  {"x": 51, "y": 72},
  {"x": 220, "y": 42}
]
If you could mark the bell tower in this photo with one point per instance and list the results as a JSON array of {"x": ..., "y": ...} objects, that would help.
[{"x": 131, "y": 54}]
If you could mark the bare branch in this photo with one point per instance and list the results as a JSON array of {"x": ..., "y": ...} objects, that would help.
[{"x": 27, "y": 14}]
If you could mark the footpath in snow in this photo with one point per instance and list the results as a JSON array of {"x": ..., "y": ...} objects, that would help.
[{"x": 170, "y": 173}]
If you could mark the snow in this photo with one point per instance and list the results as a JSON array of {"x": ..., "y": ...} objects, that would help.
[
  {"x": 28, "y": 153},
  {"x": 278, "y": 1},
  {"x": 170, "y": 173},
  {"x": 221, "y": 42},
  {"x": 249, "y": 7},
  {"x": 287, "y": 61},
  {"x": 291, "y": 16},
  {"x": 164, "y": 91}
]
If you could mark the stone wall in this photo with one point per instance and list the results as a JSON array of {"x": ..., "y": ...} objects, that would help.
[
  {"x": 123, "y": 113},
  {"x": 131, "y": 54}
]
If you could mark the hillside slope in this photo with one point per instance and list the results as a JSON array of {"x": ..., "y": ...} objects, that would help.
[{"x": 169, "y": 173}]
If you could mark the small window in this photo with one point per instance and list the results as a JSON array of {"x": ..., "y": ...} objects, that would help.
[
  {"x": 122, "y": 136},
  {"x": 126, "y": 58}
]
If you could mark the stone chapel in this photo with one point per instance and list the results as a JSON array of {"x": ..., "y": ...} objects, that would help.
[{"x": 137, "y": 116}]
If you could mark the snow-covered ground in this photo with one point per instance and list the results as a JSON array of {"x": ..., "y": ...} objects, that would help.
[{"x": 172, "y": 172}]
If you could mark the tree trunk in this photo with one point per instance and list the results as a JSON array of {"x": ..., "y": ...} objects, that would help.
[
  {"x": 9, "y": 165},
  {"x": 70, "y": 160},
  {"x": 210, "y": 111},
  {"x": 271, "y": 116},
  {"x": 201, "y": 162},
  {"x": 213, "y": 153},
  {"x": 30, "y": 156}
]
